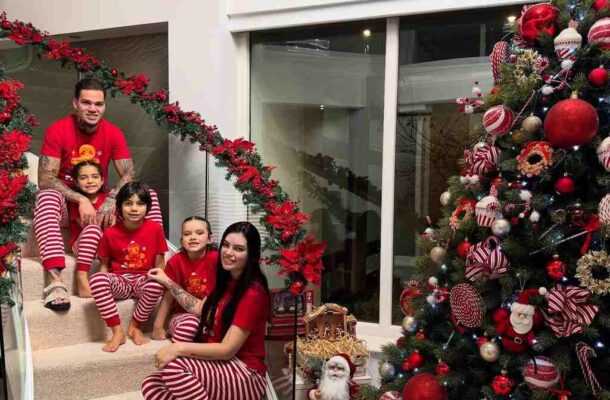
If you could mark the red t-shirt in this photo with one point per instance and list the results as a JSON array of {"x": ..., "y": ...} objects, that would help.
[
  {"x": 195, "y": 276},
  {"x": 75, "y": 228},
  {"x": 64, "y": 140},
  {"x": 251, "y": 314},
  {"x": 132, "y": 252}
]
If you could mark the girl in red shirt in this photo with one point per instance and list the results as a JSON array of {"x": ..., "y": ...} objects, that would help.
[
  {"x": 193, "y": 269},
  {"x": 88, "y": 180},
  {"x": 227, "y": 359},
  {"x": 127, "y": 251}
]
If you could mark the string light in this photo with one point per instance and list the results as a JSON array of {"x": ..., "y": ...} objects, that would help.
[
  {"x": 576, "y": 148},
  {"x": 599, "y": 345}
]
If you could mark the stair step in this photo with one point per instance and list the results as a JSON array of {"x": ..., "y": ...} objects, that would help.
[
  {"x": 123, "y": 396},
  {"x": 82, "y": 323},
  {"x": 84, "y": 371}
]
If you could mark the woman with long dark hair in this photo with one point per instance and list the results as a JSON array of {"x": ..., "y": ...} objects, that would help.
[{"x": 227, "y": 359}]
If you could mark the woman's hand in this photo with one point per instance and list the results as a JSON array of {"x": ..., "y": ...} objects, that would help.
[
  {"x": 158, "y": 275},
  {"x": 166, "y": 355}
]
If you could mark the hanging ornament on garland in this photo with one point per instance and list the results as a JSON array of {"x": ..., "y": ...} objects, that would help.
[
  {"x": 599, "y": 34},
  {"x": 571, "y": 122},
  {"x": 423, "y": 387},
  {"x": 463, "y": 249},
  {"x": 593, "y": 272},
  {"x": 446, "y": 198},
  {"x": 531, "y": 125},
  {"x": 500, "y": 227},
  {"x": 437, "y": 254},
  {"x": 540, "y": 373},
  {"x": 537, "y": 18},
  {"x": 565, "y": 185},
  {"x": 414, "y": 361},
  {"x": 489, "y": 350},
  {"x": 556, "y": 269},
  {"x": 409, "y": 324},
  {"x": 487, "y": 210},
  {"x": 598, "y": 76},
  {"x": 387, "y": 371},
  {"x": 498, "y": 120},
  {"x": 604, "y": 209},
  {"x": 502, "y": 384},
  {"x": 603, "y": 153},
  {"x": 567, "y": 44},
  {"x": 442, "y": 368}
]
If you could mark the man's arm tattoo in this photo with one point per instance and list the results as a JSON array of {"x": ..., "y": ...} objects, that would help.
[
  {"x": 187, "y": 301},
  {"x": 126, "y": 170},
  {"x": 48, "y": 167}
]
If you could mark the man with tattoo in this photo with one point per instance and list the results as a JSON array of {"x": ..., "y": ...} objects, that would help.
[{"x": 82, "y": 136}]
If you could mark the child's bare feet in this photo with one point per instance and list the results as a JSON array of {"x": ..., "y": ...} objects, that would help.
[
  {"x": 117, "y": 339},
  {"x": 136, "y": 334},
  {"x": 159, "y": 333},
  {"x": 84, "y": 290}
]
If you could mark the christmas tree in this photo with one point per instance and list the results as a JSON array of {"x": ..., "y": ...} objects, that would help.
[{"x": 510, "y": 297}]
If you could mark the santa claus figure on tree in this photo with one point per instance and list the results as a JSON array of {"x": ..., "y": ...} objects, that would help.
[{"x": 510, "y": 299}]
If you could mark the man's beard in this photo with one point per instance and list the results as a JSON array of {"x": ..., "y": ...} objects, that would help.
[
  {"x": 335, "y": 387},
  {"x": 521, "y": 327}
]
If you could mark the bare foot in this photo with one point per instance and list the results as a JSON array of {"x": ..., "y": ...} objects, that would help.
[
  {"x": 117, "y": 339},
  {"x": 136, "y": 334},
  {"x": 159, "y": 334},
  {"x": 84, "y": 290}
]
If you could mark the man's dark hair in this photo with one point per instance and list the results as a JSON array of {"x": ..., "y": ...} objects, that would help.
[
  {"x": 140, "y": 189},
  {"x": 89, "y": 84}
]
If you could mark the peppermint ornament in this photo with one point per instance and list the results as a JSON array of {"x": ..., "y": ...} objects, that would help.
[
  {"x": 466, "y": 305},
  {"x": 540, "y": 373},
  {"x": 567, "y": 43},
  {"x": 599, "y": 34},
  {"x": 603, "y": 153},
  {"x": 498, "y": 120},
  {"x": 393, "y": 395},
  {"x": 498, "y": 56},
  {"x": 487, "y": 210},
  {"x": 604, "y": 209}
]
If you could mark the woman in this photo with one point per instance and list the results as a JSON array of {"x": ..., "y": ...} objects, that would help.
[{"x": 227, "y": 359}]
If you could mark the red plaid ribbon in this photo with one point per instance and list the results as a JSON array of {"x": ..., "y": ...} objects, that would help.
[
  {"x": 486, "y": 259},
  {"x": 571, "y": 312}
]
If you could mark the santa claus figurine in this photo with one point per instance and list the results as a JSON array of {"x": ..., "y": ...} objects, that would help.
[
  {"x": 517, "y": 328},
  {"x": 336, "y": 382}
]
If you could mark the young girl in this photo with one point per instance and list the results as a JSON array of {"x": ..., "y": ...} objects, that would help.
[
  {"x": 194, "y": 269},
  {"x": 229, "y": 361},
  {"x": 129, "y": 249},
  {"x": 88, "y": 180}
]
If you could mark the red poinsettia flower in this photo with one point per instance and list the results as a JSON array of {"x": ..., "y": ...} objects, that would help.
[
  {"x": 57, "y": 50},
  {"x": 134, "y": 84},
  {"x": 172, "y": 112},
  {"x": 5, "y": 250},
  {"x": 12, "y": 146},
  {"x": 285, "y": 218},
  {"x": 305, "y": 258},
  {"x": 32, "y": 120},
  {"x": 11, "y": 186},
  {"x": 232, "y": 147}
]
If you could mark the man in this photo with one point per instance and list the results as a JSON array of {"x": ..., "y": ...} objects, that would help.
[
  {"x": 336, "y": 382},
  {"x": 68, "y": 141}
]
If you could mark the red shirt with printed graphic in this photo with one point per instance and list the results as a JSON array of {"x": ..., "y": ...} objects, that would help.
[
  {"x": 132, "y": 251},
  {"x": 251, "y": 315},
  {"x": 64, "y": 140},
  {"x": 75, "y": 228},
  {"x": 195, "y": 276}
]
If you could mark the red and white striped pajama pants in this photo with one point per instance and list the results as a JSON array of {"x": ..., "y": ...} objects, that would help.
[
  {"x": 183, "y": 327},
  {"x": 194, "y": 379},
  {"x": 51, "y": 213},
  {"x": 85, "y": 247},
  {"x": 107, "y": 286}
]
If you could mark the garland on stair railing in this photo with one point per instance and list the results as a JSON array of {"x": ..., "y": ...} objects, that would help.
[{"x": 292, "y": 248}]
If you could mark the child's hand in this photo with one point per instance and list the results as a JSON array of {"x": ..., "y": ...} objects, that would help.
[
  {"x": 165, "y": 355},
  {"x": 159, "y": 333},
  {"x": 158, "y": 275}
]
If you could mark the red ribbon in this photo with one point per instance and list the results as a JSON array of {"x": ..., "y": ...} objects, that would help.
[{"x": 593, "y": 225}]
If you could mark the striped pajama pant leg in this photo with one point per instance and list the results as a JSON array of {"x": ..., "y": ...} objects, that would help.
[
  {"x": 85, "y": 247},
  {"x": 194, "y": 379},
  {"x": 154, "y": 214},
  {"x": 50, "y": 213},
  {"x": 183, "y": 327},
  {"x": 105, "y": 287},
  {"x": 148, "y": 294}
]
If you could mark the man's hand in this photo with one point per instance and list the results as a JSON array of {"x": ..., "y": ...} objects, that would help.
[
  {"x": 105, "y": 215},
  {"x": 86, "y": 211}
]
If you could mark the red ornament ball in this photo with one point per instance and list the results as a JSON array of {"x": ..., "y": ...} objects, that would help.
[
  {"x": 538, "y": 18},
  {"x": 599, "y": 4},
  {"x": 420, "y": 335},
  {"x": 415, "y": 360},
  {"x": 442, "y": 368},
  {"x": 565, "y": 185},
  {"x": 463, "y": 249},
  {"x": 400, "y": 343},
  {"x": 556, "y": 269},
  {"x": 571, "y": 122},
  {"x": 423, "y": 387},
  {"x": 598, "y": 77},
  {"x": 502, "y": 384}
]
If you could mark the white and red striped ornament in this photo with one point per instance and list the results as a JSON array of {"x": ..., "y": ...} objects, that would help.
[
  {"x": 466, "y": 305},
  {"x": 599, "y": 34},
  {"x": 498, "y": 120},
  {"x": 603, "y": 153},
  {"x": 568, "y": 312},
  {"x": 486, "y": 259},
  {"x": 483, "y": 158},
  {"x": 603, "y": 209},
  {"x": 498, "y": 55},
  {"x": 487, "y": 210},
  {"x": 393, "y": 395},
  {"x": 540, "y": 373},
  {"x": 583, "y": 353},
  {"x": 567, "y": 42}
]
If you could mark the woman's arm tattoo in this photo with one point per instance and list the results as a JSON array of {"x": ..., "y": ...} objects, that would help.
[{"x": 187, "y": 301}]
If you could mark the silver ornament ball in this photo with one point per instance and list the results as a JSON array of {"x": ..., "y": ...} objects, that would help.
[
  {"x": 490, "y": 351},
  {"x": 446, "y": 198},
  {"x": 409, "y": 324},
  {"x": 500, "y": 227},
  {"x": 437, "y": 254},
  {"x": 386, "y": 370},
  {"x": 531, "y": 124}
]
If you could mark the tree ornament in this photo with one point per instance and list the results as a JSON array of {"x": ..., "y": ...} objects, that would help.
[
  {"x": 437, "y": 254},
  {"x": 392, "y": 395},
  {"x": 387, "y": 370},
  {"x": 411, "y": 290},
  {"x": 598, "y": 76},
  {"x": 535, "y": 158},
  {"x": 487, "y": 210},
  {"x": 442, "y": 368},
  {"x": 463, "y": 249},
  {"x": 556, "y": 269},
  {"x": 599, "y": 4},
  {"x": 500, "y": 227},
  {"x": 114, "y": 72},
  {"x": 517, "y": 327},
  {"x": 593, "y": 272},
  {"x": 446, "y": 198},
  {"x": 464, "y": 211},
  {"x": 466, "y": 305},
  {"x": 486, "y": 259},
  {"x": 540, "y": 373},
  {"x": 565, "y": 185},
  {"x": 518, "y": 136},
  {"x": 414, "y": 361},
  {"x": 567, "y": 311},
  {"x": 603, "y": 209},
  {"x": 603, "y": 153},
  {"x": 571, "y": 122},
  {"x": 409, "y": 324},
  {"x": 498, "y": 120},
  {"x": 535, "y": 19},
  {"x": 400, "y": 342},
  {"x": 420, "y": 335},
  {"x": 489, "y": 351},
  {"x": 502, "y": 384},
  {"x": 531, "y": 124},
  {"x": 567, "y": 43},
  {"x": 599, "y": 34},
  {"x": 423, "y": 387}
]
